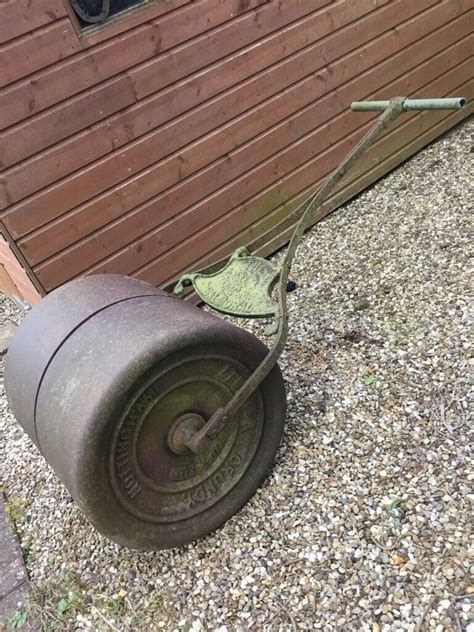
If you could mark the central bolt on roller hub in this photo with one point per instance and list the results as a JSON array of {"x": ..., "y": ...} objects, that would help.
[{"x": 182, "y": 430}]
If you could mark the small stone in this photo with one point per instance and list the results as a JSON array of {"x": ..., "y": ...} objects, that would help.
[
  {"x": 7, "y": 331},
  {"x": 398, "y": 560}
]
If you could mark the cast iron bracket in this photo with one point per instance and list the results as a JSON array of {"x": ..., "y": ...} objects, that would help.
[{"x": 243, "y": 287}]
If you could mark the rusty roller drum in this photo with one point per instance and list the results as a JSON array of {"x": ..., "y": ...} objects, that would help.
[{"x": 110, "y": 377}]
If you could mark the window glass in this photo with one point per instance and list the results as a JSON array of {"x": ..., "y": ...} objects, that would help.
[{"x": 97, "y": 11}]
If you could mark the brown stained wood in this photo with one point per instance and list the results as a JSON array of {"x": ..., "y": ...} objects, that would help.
[
  {"x": 36, "y": 133},
  {"x": 59, "y": 40},
  {"x": 277, "y": 238},
  {"x": 70, "y": 228},
  {"x": 37, "y": 49},
  {"x": 36, "y": 173},
  {"x": 14, "y": 281},
  {"x": 293, "y": 189},
  {"x": 211, "y": 208},
  {"x": 144, "y": 186},
  {"x": 99, "y": 140},
  {"x": 81, "y": 71},
  {"x": 102, "y": 175},
  {"x": 187, "y": 92},
  {"x": 262, "y": 214},
  {"x": 242, "y": 33},
  {"x": 41, "y": 131},
  {"x": 22, "y": 16}
]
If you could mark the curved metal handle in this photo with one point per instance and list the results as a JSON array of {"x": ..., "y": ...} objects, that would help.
[
  {"x": 454, "y": 103},
  {"x": 221, "y": 417}
]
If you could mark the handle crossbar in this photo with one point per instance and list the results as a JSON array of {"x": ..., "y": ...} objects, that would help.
[{"x": 454, "y": 103}]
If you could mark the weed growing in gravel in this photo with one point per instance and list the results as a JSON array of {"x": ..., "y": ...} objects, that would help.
[
  {"x": 18, "y": 619},
  {"x": 395, "y": 508},
  {"x": 121, "y": 610},
  {"x": 16, "y": 511},
  {"x": 55, "y": 605},
  {"x": 59, "y": 605}
]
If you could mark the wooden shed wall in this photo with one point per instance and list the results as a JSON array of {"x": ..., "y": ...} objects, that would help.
[{"x": 183, "y": 129}]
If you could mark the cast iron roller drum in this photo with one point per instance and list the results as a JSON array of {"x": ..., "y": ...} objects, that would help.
[{"x": 122, "y": 394}]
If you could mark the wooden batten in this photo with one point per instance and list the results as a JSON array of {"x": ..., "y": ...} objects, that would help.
[{"x": 14, "y": 281}]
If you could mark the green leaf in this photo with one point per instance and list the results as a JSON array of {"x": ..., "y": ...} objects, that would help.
[
  {"x": 63, "y": 605},
  {"x": 393, "y": 506},
  {"x": 19, "y": 619},
  {"x": 369, "y": 379},
  {"x": 362, "y": 304}
]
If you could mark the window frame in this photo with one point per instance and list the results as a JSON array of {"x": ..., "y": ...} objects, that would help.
[{"x": 125, "y": 20}]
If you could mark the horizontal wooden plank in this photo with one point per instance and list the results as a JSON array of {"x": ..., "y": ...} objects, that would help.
[
  {"x": 38, "y": 132},
  {"x": 21, "y": 16},
  {"x": 165, "y": 173},
  {"x": 187, "y": 255},
  {"x": 161, "y": 213},
  {"x": 79, "y": 72},
  {"x": 212, "y": 208},
  {"x": 74, "y": 114},
  {"x": 81, "y": 149},
  {"x": 120, "y": 165},
  {"x": 37, "y": 49}
]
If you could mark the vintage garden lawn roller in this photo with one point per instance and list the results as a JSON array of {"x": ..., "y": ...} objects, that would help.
[{"x": 160, "y": 418}]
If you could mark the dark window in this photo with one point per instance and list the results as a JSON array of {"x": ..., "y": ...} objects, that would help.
[{"x": 97, "y": 11}]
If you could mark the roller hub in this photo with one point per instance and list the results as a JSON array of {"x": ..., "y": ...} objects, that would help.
[
  {"x": 155, "y": 475},
  {"x": 182, "y": 430}
]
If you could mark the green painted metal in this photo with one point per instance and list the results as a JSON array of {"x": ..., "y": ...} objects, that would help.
[
  {"x": 252, "y": 280},
  {"x": 243, "y": 287},
  {"x": 454, "y": 103}
]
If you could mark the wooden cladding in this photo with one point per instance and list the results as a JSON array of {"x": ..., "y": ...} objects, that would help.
[
  {"x": 14, "y": 281},
  {"x": 153, "y": 148}
]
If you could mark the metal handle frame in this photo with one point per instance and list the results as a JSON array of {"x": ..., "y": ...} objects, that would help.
[{"x": 390, "y": 111}]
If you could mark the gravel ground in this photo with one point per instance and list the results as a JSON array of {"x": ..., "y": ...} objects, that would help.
[{"x": 364, "y": 521}]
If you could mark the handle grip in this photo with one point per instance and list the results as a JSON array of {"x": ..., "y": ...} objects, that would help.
[{"x": 454, "y": 103}]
